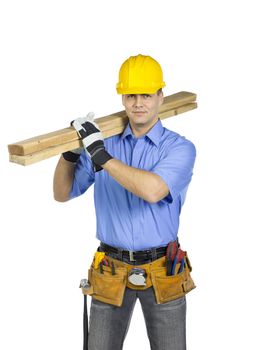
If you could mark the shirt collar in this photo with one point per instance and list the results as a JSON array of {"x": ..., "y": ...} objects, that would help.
[{"x": 154, "y": 134}]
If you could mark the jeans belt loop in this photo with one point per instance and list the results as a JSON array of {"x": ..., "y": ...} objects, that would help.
[
  {"x": 154, "y": 254},
  {"x": 120, "y": 254}
]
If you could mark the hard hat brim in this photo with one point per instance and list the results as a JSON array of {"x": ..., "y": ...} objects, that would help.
[{"x": 138, "y": 90}]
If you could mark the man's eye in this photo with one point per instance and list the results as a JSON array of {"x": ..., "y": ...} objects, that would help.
[
  {"x": 130, "y": 96},
  {"x": 146, "y": 96}
]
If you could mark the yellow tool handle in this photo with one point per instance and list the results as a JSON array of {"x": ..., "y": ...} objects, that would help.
[{"x": 99, "y": 256}]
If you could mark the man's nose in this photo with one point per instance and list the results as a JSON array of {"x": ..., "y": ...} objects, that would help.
[{"x": 138, "y": 101}]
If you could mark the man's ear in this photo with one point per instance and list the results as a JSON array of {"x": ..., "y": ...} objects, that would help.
[
  {"x": 161, "y": 98},
  {"x": 123, "y": 100}
]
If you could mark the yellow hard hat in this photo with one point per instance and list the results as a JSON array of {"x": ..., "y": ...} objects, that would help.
[{"x": 140, "y": 75}]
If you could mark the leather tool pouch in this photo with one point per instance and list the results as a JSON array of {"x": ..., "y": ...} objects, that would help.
[
  {"x": 108, "y": 288},
  {"x": 169, "y": 288}
]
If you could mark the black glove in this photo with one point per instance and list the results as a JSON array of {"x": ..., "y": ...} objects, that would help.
[
  {"x": 92, "y": 140},
  {"x": 72, "y": 156}
]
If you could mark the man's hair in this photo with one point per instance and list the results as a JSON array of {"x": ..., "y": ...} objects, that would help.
[{"x": 159, "y": 91}]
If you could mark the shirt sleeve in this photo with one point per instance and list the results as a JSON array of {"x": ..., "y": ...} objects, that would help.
[
  {"x": 176, "y": 167},
  {"x": 84, "y": 176}
]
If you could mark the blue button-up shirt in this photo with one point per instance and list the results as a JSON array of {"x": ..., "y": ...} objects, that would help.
[{"x": 125, "y": 220}]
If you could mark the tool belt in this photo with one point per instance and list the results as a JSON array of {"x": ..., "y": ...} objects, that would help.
[{"x": 112, "y": 270}]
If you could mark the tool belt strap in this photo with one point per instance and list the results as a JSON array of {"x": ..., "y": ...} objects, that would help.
[{"x": 138, "y": 257}]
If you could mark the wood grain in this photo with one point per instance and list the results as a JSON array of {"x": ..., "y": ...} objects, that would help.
[
  {"x": 48, "y": 145},
  {"x": 106, "y": 124}
]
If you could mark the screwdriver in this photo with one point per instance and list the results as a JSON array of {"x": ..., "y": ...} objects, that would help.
[{"x": 170, "y": 256}]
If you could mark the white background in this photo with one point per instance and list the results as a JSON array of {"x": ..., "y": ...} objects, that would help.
[{"x": 59, "y": 60}]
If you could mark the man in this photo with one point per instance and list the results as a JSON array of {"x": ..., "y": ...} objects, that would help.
[{"x": 141, "y": 178}]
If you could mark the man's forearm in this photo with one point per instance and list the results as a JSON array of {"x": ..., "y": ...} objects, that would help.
[
  {"x": 142, "y": 183},
  {"x": 63, "y": 179}
]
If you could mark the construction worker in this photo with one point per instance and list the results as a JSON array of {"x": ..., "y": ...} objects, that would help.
[{"x": 141, "y": 178}]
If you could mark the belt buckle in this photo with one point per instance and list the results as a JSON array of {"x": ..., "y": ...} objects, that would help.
[{"x": 131, "y": 255}]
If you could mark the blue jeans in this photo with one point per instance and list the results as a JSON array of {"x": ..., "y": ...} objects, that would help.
[{"x": 165, "y": 323}]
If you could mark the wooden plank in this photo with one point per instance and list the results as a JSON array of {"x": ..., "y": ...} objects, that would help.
[
  {"x": 170, "y": 102},
  {"x": 116, "y": 120},
  {"x": 55, "y": 150}
]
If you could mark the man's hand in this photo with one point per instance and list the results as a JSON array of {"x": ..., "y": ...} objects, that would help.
[
  {"x": 73, "y": 155},
  {"x": 92, "y": 140}
]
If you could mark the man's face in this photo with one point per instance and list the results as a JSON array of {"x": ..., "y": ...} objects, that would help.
[{"x": 142, "y": 109}]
